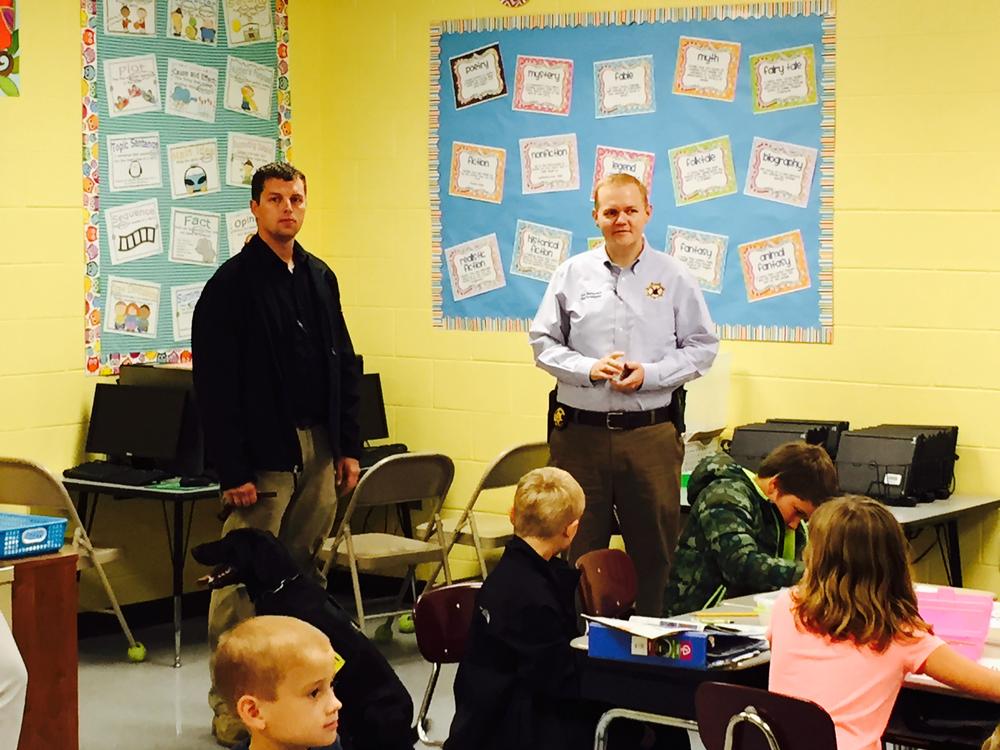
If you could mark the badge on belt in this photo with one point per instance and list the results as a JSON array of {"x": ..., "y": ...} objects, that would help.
[{"x": 559, "y": 418}]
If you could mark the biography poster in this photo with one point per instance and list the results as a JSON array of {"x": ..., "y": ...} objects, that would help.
[
  {"x": 723, "y": 114},
  {"x": 182, "y": 102}
]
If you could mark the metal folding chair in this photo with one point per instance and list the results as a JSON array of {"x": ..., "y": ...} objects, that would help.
[
  {"x": 26, "y": 483},
  {"x": 491, "y": 531},
  {"x": 398, "y": 479}
]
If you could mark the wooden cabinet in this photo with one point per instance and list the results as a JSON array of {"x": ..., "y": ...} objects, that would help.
[{"x": 43, "y": 609}]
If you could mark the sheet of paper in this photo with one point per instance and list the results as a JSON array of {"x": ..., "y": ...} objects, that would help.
[
  {"x": 780, "y": 172},
  {"x": 194, "y": 237},
  {"x": 702, "y": 171},
  {"x": 539, "y": 249},
  {"x": 611, "y": 160},
  {"x": 245, "y": 154},
  {"x": 248, "y": 21},
  {"x": 133, "y": 307},
  {"x": 774, "y": 265},
  {"x": 549, "y": 164},
  {"x": 477, "y": 76},
  {"x": 783, "y": 79},
  {"x": 240, "y": 227},
  {"x": 192, "y": 90},
  {"x": 707, "y": 68},
  {"x": 249, "y": 86},
  {"x": 182, "y": 302},
  {"x": 133, "y": 231},
  {"x": 477, "y": 172},
  {"x": 130, "y": 17},
  {"x": 194, "y": 21},
  {"x": 639, "y": 628},
  {"x": 624, "y": 86},
  {"x": 543, "y": 85},
  {"x": 702, "y": 253},
  {"x": 194, "y": 168},
  {"x": 474, "y": 267},
  {"x": 132, "y": 85},
  {"x": 134, "y": 161}
]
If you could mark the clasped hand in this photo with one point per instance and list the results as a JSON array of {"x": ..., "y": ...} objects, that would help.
[{"x": 623, "y": 375}]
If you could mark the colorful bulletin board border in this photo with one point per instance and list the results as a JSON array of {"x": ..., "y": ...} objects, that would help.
[
  {"x": 10, "y": 50},
  {"x": 102, "y": 359},
  {"x": 517, "y": 317}
]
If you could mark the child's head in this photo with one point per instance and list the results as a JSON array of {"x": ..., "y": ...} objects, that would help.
[
  {"x": 857, "y": 583},
  {"x": 276, "y": 673},
  {"x": 548, "y": 504},
  {"x": 802, "y": 477}
]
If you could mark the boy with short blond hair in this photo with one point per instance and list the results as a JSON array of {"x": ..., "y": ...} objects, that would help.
[
  {"x": 276, "y": 674},
  {"x": 518, "y": 684}
]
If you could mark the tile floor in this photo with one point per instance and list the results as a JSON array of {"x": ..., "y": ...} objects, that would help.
[{"x": 124, "y": 706}]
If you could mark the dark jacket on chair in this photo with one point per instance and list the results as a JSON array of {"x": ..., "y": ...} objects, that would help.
[
  {"x": 518, "y": 684},
  {"x": 241, "y": 374}
]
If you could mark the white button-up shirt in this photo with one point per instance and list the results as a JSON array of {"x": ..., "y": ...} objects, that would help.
[{"x": 653, "y": 311}]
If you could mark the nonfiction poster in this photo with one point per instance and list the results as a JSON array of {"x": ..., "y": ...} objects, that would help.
[
  {"x": 182, "y": 102},
  {"x": 724, "y": 113}
]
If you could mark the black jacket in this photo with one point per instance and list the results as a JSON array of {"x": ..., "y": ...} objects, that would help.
[
  {"x": 518, "y": 684},
  {"x": 241, "y": 389}
]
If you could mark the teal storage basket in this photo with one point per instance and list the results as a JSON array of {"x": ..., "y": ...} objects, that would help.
[{"x": 23, "y": 535}]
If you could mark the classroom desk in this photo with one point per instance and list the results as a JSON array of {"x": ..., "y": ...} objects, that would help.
[
  {"x": 669, "y": 692},
  {"x": 89, "y": 493},
  {"x": 942, "y": 515}
]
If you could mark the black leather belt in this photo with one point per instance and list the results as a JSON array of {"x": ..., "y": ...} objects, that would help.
[{"x": 612, "y": 420}]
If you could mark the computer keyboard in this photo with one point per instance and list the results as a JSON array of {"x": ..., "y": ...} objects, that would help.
[
  {"x": 103, "y": 471},
  {"x": 371, "y": 455}
]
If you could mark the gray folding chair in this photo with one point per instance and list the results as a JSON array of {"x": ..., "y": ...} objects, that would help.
[
  {"x": 26, "y": 483},
  {"x": 398, "y": 479},
  {"x": 490, "y": 531}
]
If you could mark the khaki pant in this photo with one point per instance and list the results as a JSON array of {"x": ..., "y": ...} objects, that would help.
[
  {"x": 636, "y": 475},
  {"x": 300, "y": 514}
]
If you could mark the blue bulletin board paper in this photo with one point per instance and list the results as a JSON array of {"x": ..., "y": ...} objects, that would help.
[{"x": 758, "y": 221}]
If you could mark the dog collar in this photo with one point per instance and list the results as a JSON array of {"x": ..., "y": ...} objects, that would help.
[{"x": 283, "y": 583}]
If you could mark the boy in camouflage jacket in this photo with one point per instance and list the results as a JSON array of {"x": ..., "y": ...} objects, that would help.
[{"x": 745, "y": 534}]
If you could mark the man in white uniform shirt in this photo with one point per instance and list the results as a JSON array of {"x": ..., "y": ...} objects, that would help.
[{"x": 621, "y": 327}]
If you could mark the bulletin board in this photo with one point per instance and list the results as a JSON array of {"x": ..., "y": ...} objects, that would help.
[
  {"x": 725, "y": 113},
  {"x": 182, "y": 101}
]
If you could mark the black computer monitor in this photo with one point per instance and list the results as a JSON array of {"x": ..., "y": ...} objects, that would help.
[
  {"x": 372, "y": 416},
  {"x": 139, "y": 423},
  {"x": 190, "y": 460}
]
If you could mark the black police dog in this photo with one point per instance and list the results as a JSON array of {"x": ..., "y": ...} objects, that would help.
[{"x": 378, "y": 711}]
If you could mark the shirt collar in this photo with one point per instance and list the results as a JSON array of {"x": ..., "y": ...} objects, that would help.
[{"x": 609, "y": 264}]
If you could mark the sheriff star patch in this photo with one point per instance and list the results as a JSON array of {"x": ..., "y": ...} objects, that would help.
[{"x": 654, "y": 290}]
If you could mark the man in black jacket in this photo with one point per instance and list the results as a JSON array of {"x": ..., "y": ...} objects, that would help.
[{"x": 277, "y": 383}]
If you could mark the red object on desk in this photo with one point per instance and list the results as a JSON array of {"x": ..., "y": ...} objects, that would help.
[{"x": 44, "y": 603}]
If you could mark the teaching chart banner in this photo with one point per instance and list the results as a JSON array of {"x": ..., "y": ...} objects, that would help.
[
  {"x": 10, "y": 50},
  {"x": 182, "y": 101},
  {"x": 725, "y": 113}
]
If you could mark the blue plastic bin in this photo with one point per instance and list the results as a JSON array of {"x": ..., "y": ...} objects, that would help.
[{"x": 22, "y": 535}]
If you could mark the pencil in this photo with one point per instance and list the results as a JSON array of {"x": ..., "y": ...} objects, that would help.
[{"x": 713, "y": 614}]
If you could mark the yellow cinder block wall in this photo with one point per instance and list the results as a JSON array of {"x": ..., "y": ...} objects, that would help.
[{"x": 917, "y": 335}]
